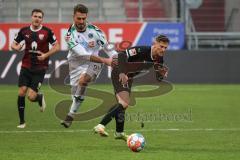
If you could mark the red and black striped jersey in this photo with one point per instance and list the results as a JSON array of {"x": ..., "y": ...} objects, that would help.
[{"x": 35, "y": 40}]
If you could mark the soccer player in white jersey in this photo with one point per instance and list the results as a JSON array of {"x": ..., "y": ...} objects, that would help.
[{"x": 84, "y": 42}]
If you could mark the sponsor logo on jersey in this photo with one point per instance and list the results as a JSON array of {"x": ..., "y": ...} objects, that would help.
[
  {"x": 132, "y": 52},
  {"x": 90, "y": 35},
  {"x": 34, "y": 46},
  {"x": 99, "y": 42}
]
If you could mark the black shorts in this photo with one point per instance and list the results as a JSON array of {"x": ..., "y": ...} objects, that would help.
[
  {"x": 118, "y": 87},
  {"x": 31, "y": 79}
]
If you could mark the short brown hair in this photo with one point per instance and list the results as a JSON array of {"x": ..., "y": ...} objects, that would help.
[
  {"x": 37, "y": 10},
  {"x": 80, "y": 8},
  {"x": 162, "y": 38}
]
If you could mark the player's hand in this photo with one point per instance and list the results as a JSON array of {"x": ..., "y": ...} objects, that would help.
[
  {"x": 162, "y": 72},
  {"x": 18, "y": 47},
  {"x": 114, "y": 62},
  {"x": 41, "y": 56},
  {"x": 123, "y": 78}
]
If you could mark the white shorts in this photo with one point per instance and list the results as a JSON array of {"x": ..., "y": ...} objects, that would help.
[{"x": 79, "y": 66}]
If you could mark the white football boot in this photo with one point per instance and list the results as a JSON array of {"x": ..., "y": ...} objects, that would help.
[
  {"x": 21, "y": 126},
  {"x": 100, "y": 129},
  {"x": 42, "y": 104},
  {"x": 121, "y": 135}
]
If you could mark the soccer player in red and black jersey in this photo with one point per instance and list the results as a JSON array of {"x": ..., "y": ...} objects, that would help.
[
  {"x": 130, "y": 63},
  {"x": 35, "y": 61}
]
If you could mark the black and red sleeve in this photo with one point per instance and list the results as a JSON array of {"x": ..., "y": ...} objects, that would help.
[
  {"x": 51, "y": 37},
  {"x": 19, "y": 38}
]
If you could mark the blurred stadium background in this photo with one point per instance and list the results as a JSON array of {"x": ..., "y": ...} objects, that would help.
[
  {"x": 203, "y": 57},
  {"x": 209, "y": 28}
]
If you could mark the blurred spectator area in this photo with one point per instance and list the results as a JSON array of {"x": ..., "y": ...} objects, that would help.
[
  {"x": 213, "y": 24},
  {"x": 212, "y": 15},
  {"x": 208, "y": 23},
  {"x": 99, "y": 10},
  {"x": 217, "y": 16},
  {"x": 150, "y": 10}
]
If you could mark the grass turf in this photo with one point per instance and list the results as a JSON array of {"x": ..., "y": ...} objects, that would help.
[{"x": 190, "y": 122}]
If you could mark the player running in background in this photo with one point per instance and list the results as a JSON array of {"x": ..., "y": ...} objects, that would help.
[
  {"x": 84, "y": 42},
  {"x": 35, "y": 61},
  {"x": 130, "y": 63}
]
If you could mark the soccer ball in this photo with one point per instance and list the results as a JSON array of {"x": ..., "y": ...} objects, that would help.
[{"x": 136, "y": 142}]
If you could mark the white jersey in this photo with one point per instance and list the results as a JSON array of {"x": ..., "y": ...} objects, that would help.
[
  {"x": 81, "y": 46},
  {"x": 86, "y": 43}
]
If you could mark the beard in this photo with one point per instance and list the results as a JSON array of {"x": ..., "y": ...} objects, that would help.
[{"x": 81, "y": 27}]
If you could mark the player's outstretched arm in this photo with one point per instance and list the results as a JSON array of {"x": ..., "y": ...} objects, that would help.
[{"x": 107, "y": 61}]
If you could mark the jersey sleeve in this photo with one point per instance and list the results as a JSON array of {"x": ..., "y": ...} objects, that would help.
[
  {"x": 70, "y": 39},
  {"x": 51, "y": 37},
  {"x": 101, "y": 39},
  {"x": 19, "y": 36},
  {"x": 103, "y": 43}
]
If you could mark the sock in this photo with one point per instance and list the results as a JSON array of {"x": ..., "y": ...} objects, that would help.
[
  {"x": 78, "y": 93},
  {"x": 21, "y": 107},
  {"x": 76, "y": 103},
  {"x": 120, "y": 119},
  {"x": 111, "y": 113}
]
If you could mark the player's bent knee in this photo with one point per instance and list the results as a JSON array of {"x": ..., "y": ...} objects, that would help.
[
  {"x": 22, "y": 94},
  {"x": 83, "y": 83},
  {"x": 84, "y": 80},
  {"x": 22, "y": 91},
  {"x": 32, "y": 97}
]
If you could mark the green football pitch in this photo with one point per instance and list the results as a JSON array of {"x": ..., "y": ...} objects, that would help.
[{"x": 189, "y": 123}]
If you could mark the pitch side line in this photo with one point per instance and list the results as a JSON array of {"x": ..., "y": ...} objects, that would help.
[{"x": 137, "y": 130}]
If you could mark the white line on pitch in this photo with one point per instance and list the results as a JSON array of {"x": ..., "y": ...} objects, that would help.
[{"x": 137, "y": 130}]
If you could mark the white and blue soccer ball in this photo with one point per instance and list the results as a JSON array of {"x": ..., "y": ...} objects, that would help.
[{"x": 136, "y": 142}]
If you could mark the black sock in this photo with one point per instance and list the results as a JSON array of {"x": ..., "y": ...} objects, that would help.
[
  {"x": 111, "y": 113},
  {"x": 120, "y": 119},
  {"x": 21, "y": 107}
]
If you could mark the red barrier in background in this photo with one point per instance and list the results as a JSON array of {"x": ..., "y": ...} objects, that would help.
[{"x": 115, "y": 32}]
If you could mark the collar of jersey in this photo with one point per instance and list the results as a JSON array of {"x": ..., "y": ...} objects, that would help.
[{"x": 36, "y": 29}]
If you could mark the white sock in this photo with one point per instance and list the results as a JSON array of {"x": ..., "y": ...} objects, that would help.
[
  {"x": 77, "y": 98},
  {"x": 76, "y": 103}
]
